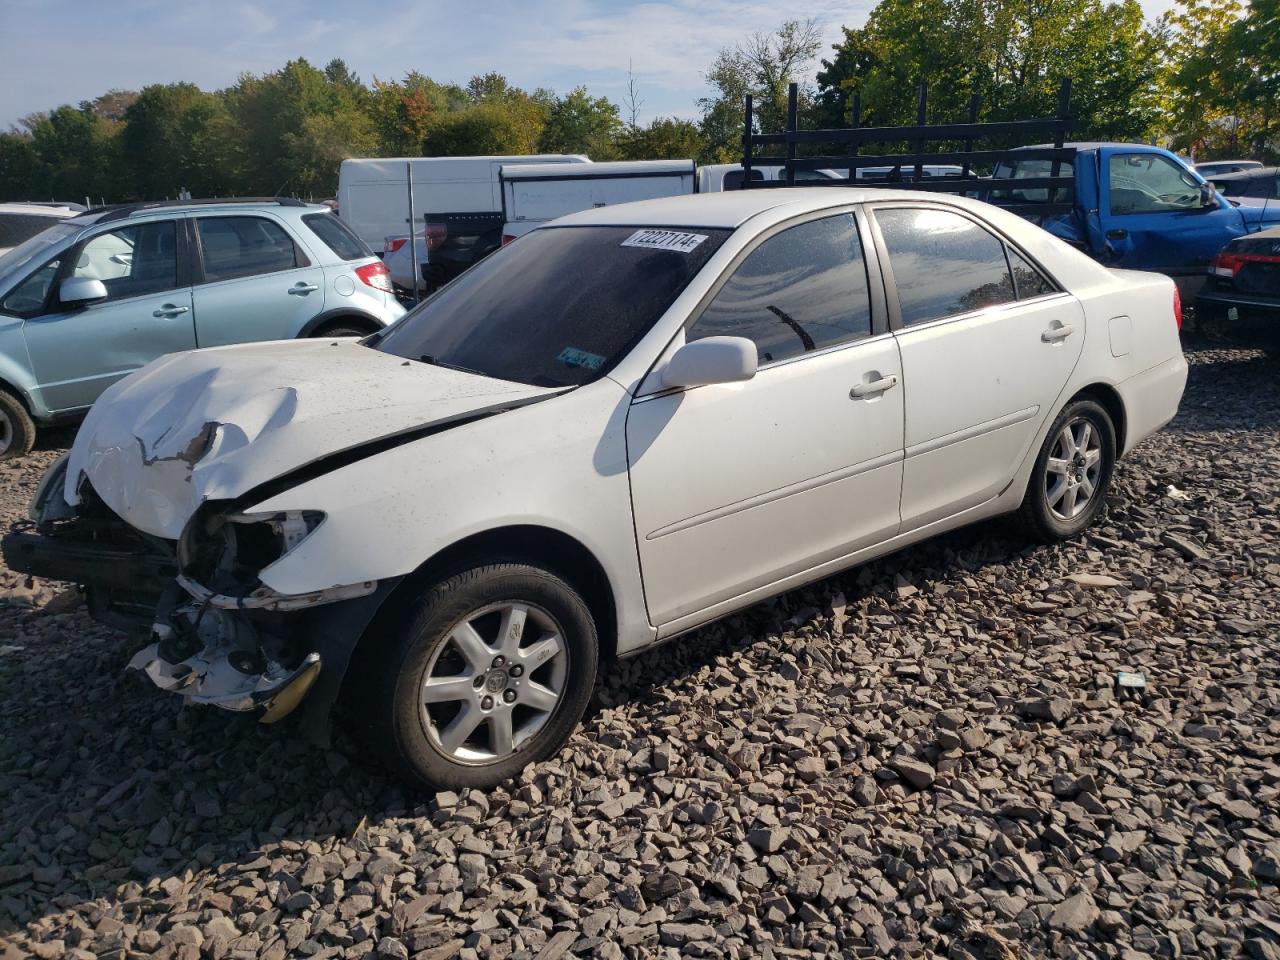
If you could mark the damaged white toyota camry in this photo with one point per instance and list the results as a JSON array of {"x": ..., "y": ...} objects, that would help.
[{"x": 626, "y": 424}]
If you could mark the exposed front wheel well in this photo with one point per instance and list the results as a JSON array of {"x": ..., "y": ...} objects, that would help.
[
  {"x": 1110, "y": 400},
  {"x": 533, "y": 545}
]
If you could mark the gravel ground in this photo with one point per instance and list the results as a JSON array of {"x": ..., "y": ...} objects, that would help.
[{"x": 926, "y": 756}]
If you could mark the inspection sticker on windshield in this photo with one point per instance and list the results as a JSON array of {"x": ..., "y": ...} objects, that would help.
[
  {"x": 664, "y": 240},
  {"x": 574, "y": 357}
]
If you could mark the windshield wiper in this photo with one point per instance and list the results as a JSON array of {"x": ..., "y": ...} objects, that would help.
[{"x": 436, "y": 362}]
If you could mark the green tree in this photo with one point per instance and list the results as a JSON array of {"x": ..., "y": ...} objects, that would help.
[
  {"x": 1012, "y": 53},
  {"x": 175, "y": 136},
  {"x": 20, "y": 168},
  {"x": 486, "y": 128},
  {"x": 1221, "y": 79},
  {"x": 764, "y": 66},
  {"x": 666, "y": 138},
  {"x": 579, "y": 123},
  {"x": 79, "y": 154}
]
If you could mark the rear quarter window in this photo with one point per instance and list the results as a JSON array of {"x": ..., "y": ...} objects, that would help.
[{"x": 337, "y": 236}]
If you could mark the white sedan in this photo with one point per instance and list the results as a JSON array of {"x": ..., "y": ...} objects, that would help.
[{"x": 635, "y": 420}]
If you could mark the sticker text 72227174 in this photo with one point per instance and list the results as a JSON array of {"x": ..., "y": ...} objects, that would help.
[{"x": 664, "y": 240}]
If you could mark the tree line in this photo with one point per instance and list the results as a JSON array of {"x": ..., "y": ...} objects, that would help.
[{"x": 1201, "y": 79}]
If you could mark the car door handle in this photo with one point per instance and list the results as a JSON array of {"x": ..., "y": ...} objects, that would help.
[
  {"x": 302, "y": 289},
  {"x": 169, "y": 310},
  {"x": 1117, "y": 234},
  {"x": 1054, "y": 334},
  {"x": 873, "y": 387}
]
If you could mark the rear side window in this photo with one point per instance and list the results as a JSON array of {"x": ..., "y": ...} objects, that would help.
[
  {"x": 1027, "y": 280},
  {"x": 244, "y": 247},
  {"x": 132, "y": 261},
  {"x": 337, "y": 236},
  {"x": 16, "y": 228},
  {"x": 943, "y": 264},
  {"x": 801, "y": 290},
  {"x": 734, "y": 178}
]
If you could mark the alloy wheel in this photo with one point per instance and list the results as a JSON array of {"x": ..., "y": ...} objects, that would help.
[
  {"x": 1074, "y": 469},
  {"x": 6, "y": 434},
  {"x": 493, "y": 682}
]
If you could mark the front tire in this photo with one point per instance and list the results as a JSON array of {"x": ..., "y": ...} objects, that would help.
[
  {"x": 1072, "y": 473},
  {"x": 17, "y": 430},
  {"x": 489, "y": 671}
]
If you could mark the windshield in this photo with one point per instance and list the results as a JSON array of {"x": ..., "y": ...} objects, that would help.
[
  {"x": 36, "y": 248},
  {"x": 558, "y": 307}
]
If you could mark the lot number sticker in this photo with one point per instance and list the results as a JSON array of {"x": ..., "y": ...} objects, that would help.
[{"x": 664, "y": 240}]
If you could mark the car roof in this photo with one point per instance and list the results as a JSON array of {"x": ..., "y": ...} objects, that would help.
[
  {"x": 730, "y": 209},
  {"x": 1250, "y": 174},
  {"x": 37, "y": 209}
]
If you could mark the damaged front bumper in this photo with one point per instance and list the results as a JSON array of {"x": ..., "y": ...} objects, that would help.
[{"x": 246, "y": 650}]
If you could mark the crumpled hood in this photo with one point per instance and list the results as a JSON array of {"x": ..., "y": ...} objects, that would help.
[{"x": 213, "y": 424}]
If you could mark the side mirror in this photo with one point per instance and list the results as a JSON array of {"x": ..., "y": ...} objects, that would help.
[
  {"x": 713, "y": 360},
  {"x": 1208, "y": 196},
  {"x": 82, "y": 290}
]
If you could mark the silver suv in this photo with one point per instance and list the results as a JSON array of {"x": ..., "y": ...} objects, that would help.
[{"x": 98, "y": 295}]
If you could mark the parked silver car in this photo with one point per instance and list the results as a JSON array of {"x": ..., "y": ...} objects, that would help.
[{"x": 93, "y": 298}]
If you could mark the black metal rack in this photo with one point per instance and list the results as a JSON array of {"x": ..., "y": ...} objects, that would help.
[{"x": 1059, "y": 188}]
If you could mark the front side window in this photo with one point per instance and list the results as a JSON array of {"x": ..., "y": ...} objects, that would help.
[
  {"x": 234, "y": 247},
  {"x": 558, "y": 308},
  {"x": 943, "y": 264},
  {"x": 1150, "y": 183},
  {"x": 801, "y": 290},
  {"x": 28, "y": 298},
  {"x": 132, "y": 261}
]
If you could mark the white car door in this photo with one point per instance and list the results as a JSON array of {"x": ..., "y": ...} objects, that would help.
[
  {"x": 737, "y": 486},
  {"x": 988, "y": 343}
]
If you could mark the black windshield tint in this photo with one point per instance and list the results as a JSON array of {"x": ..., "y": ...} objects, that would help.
[{"x": 558, "y": 307}]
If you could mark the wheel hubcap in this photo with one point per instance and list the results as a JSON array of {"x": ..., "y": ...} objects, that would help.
[
  {"x": 6, "y": 433},
  {"x": 1075, "y": 466},
  {"x": 493, "y": 682}
]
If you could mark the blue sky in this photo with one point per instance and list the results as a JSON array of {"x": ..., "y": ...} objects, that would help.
[{"x": 58, "y": 51}]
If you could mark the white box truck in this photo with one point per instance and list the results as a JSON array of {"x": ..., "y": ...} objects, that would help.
[
  {"x": 532, "y": 194},
  {"x": 458, "y": 192}
]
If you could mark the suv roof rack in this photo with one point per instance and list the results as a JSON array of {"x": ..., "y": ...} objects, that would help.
[{"x": 120, "y": 211}]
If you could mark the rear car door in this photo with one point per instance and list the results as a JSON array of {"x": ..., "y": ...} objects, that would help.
[
  {"x": 77, "y": 352},
  {"x": 736, "y": 486},
  {"x": 1152, "y": 217},
  {"x": 253, "y": 281},
  {"x": 988, "y": 343}
]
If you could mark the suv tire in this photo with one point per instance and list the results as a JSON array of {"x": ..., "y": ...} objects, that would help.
[
  {"x": 17, "y": 430},
  {"x": 342, "y": 328},
  {"x": 1072, "y": 473},
  {"x": 488, "y": 671}
]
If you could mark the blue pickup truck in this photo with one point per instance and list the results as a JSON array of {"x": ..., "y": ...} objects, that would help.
[{"x": 1139, "y": 207}]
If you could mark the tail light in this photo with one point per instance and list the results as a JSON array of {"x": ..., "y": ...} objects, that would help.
[
  {"x": 375, "y": 275},
  {"x": 508, "y": 238},
  {"x": 437, "y": 233},
  {"x": 1177, "y": 307},
  {"x": 392, "y": 244},
  {"x": 1227, "y": 264}
]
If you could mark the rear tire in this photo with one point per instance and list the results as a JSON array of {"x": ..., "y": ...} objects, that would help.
[
  {"x": 1072, "y": 473},
  {"x": 17, "y": 429},
  {"x": 489, "y": 671},
  {"x": 341, "y": 329}
]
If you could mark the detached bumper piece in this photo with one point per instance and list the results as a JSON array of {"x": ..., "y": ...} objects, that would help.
[{"x": 219, "y": 678}]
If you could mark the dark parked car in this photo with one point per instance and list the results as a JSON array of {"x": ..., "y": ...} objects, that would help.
[
  {"x": 1242, "y": 294},
  {"x": 1262, "y": 183}
]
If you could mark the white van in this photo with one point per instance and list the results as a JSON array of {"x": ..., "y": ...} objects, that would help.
[
  {"x": 373, "y": 195},
  {"x": 715, "y": 177},
  {"x": 532, "y": 194}
]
